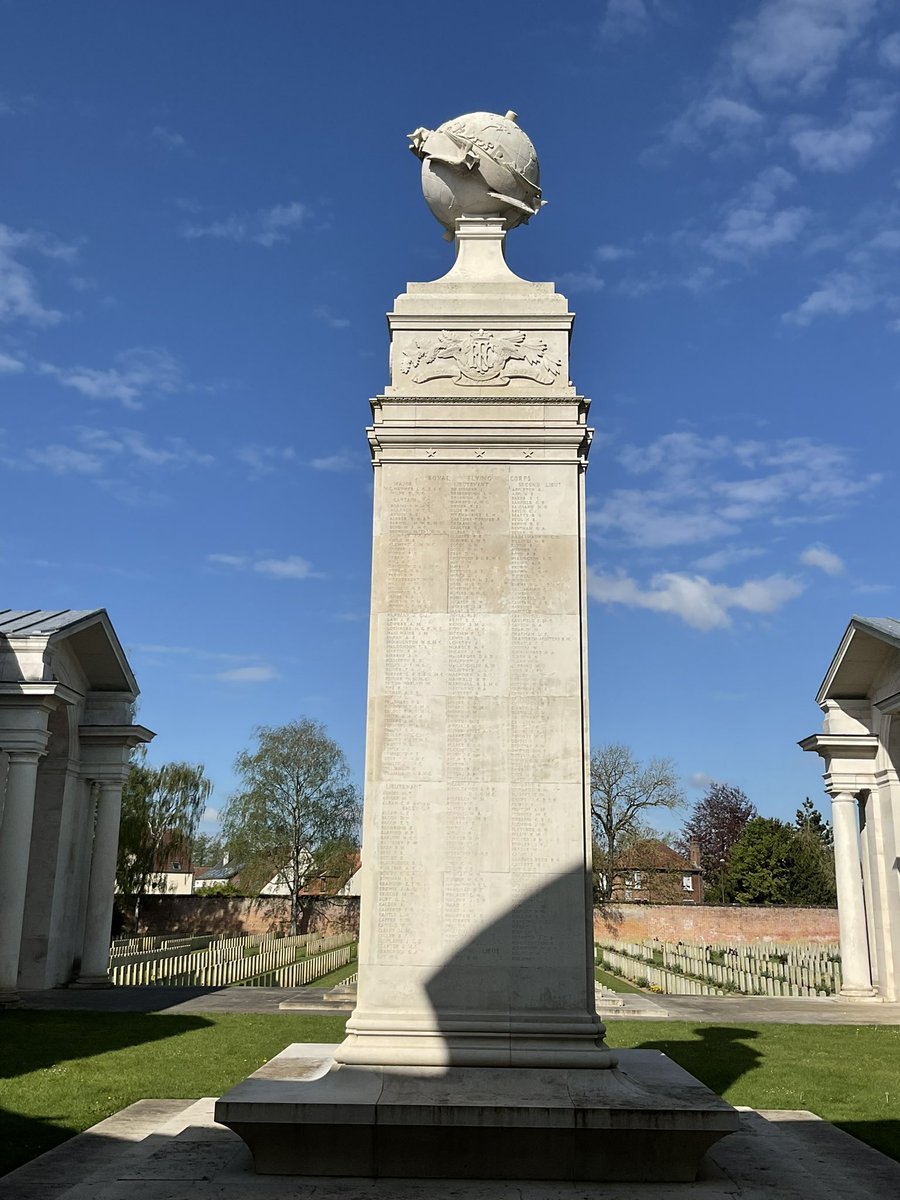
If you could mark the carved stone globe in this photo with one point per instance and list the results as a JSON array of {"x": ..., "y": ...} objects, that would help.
[{"x": 478, "y": 165}]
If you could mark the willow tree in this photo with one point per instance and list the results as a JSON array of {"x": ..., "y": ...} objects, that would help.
[
  {"x": 295, "y": 817},
  {"x": 161, "y": 809}
]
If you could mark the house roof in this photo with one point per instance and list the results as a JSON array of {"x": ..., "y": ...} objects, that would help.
[
  {"x": 651, "y": 854},
  {"x": 87, "y": 631},
  {"x": 228, "y": 872},
  {"x": 866, "y": 643}
]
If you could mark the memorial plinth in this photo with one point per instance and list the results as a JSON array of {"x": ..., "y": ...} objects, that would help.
[{"x": 475, "y": 1038}]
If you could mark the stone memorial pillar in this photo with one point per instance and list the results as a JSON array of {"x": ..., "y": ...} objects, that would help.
[
  {"x": 476, "y": 899},
  {"x": 475, "y": 1049}
]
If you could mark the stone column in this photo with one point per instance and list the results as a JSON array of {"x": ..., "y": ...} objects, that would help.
[
  {"x": 101, "y": 889},
  {"x": 855, "y": 968},
  {"x": 15, "y": 842}
]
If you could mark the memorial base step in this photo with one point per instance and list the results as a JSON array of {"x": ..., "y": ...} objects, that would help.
[{"x": 645, "y": 1120}]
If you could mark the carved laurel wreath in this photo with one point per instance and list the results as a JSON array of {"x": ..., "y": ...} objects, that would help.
[{"x": 477, "y": 357}]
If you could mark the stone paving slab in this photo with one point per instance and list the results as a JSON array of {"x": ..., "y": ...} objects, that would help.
[
  {"x": 49, "y": 1175},
  {"x": 774, "y": 1156}
]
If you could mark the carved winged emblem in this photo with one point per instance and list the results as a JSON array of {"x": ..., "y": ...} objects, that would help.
[{"x": 474, "y": 358}]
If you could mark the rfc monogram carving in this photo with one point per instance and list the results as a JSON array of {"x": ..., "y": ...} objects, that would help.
[{"x": 476, "y": 358}]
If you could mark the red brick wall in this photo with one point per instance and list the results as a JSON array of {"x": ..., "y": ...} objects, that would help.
[
  {"x": 713, "y": 923},
  {"x": 235, "y": 915}
]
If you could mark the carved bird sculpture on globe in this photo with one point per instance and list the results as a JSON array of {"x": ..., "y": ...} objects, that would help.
[{"x": 478, "y": 165}]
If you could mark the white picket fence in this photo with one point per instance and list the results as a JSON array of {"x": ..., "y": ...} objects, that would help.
[
  {"x": 759, "y": 968},
  {"x": 220, "y": 961}
]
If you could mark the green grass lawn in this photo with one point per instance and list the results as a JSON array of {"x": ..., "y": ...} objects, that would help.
[
  {"x": 613, "y": 982},
  {"x": 61, "y": 1072},
  {"x": 335, "y": 977}
]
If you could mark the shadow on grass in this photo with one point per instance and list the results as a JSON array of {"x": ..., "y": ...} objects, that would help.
[
  {"x": 718, "y": 1057},
  {"x": 883, "y": 1135},
  {"x": 32, "y": 1042}
]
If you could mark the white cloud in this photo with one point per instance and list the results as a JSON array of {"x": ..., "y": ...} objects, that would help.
[
  {"x": 649, "y": 521},
  {"x": 325, "y": 315},
  {"x": 263, "y": 460},
  {"x": 66, "y": 460},
  {"x": 228, "y": 560},
  {"x": 172, "y": 452},
  {"x": 729, "y": 556},
  {"x": 752, "y": 224},
  {"x": 100, "y": 450},
  {"x": 724, "y": 116},
  {"x": 840, "y": 294},
  {"x": 705, "y": 489},
  {"x": 265, "y": 227},
  {"x": 19, "y": 298},
  {"x": 171, "y": 139},
  {"x": 610, "y": 253},
  {"x": 866, "y": 279},
  {"x": 333, "y": 462},
  {"x": 693, "y": 598},
  {"x": 794, "y": 46},
  {"x": 622, "y": 19},
  {"x": 10, "y": 365},
  {"x": 139, "y": 371},
  {"x": 840, "y": 147},
  {"x": 581, "y": 281},
  {"x": 823, "y": 559},
  {"x": 15, "y": 106},
  {"x": 210, "y": 815},
  {"x": 700, "y": 780},
  {"x": 889, "y": 50},
  {"x": 260, "y": 674},
  {"x": 785, "y": 49},
  {"x": 292, "y": 567}
]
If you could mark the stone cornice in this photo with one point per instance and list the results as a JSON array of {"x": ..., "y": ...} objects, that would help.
[
  {"x": 115, "y": 735},
  {"x": 421, "y": 321},
  {"x": 20, "y": 691},
  {"x": 842, "y": 745},
  {"x": 470, "y": 396}
]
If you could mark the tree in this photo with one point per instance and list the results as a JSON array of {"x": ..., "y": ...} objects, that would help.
[
  {"x": 207, "y": 850},
  {"x": 717, "y": 821},
  {"x": 810, "y": 821},
  {"x": 773, "y": 863},
  {"x": 761, "y": 863},
  {"x": 816, "y": 852},
  {"x": 622, "y": 792},
  {"x": 161, "y": 809},
  {"x": 296, "y": 817}
]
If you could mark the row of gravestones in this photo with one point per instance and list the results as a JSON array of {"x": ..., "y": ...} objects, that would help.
[
  {"x": 221, "y": 963},
  {"x": 758, "y": 969}
]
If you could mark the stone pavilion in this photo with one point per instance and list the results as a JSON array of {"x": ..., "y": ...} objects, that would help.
[
  {"x": 66, "y": 729},
  {"x": 860, "y": 746}
]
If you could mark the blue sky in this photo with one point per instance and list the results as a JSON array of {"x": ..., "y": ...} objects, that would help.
[{"x": 206, "y": 209}]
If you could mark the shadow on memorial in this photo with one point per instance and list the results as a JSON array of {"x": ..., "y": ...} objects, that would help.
[
  {"x": 506, "y": 1076},
  {"x": 33, "y": 1041},
  {"x": 535, "y": 962}
]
